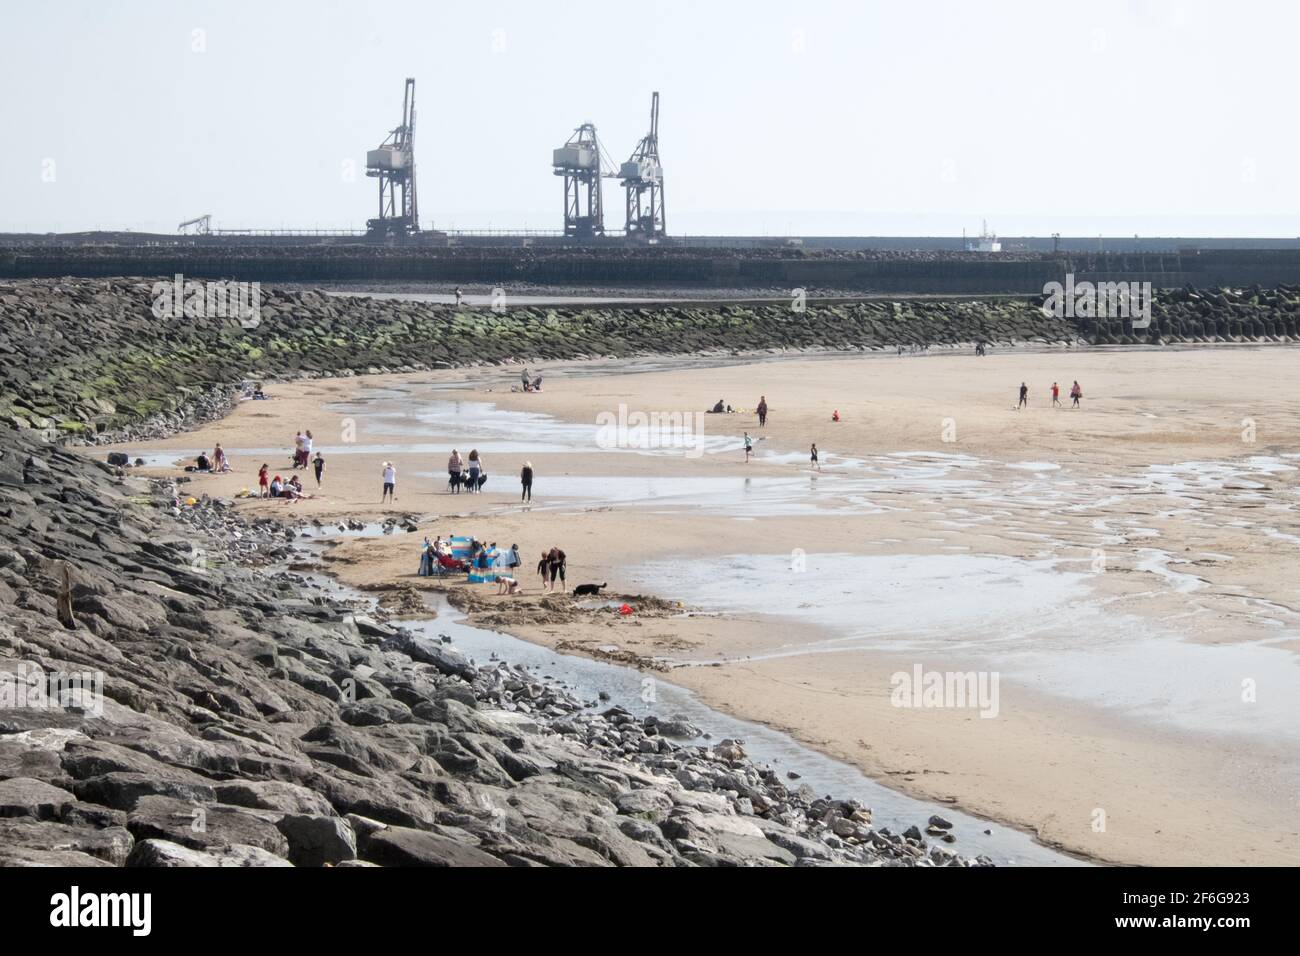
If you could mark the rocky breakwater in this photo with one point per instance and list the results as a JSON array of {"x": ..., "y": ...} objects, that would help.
[
  {"x": 87, "y": 357},
  {"x": 170, "y": 697},
  {"x": 1207, "y": 316}
]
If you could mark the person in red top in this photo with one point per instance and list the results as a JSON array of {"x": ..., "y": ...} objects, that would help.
[
  {"x": 1056, "y": 395},
  {"x": 264, "y": 481}
]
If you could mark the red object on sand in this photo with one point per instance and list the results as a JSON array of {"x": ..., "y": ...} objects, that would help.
[{"x": 625, "y": 609}]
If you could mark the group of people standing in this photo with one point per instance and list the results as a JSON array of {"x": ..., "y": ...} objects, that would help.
[
  {"x": 1076, "y": 394},
  {"x": 467, "y": 473},
  {"x": 552, "y": 565}
]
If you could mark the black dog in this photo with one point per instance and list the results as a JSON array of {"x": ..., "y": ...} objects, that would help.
[{"x": 582, "y": 590}]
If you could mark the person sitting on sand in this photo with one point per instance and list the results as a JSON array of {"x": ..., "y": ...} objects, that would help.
[
  {"x": 277, "y": 486},
  {"x": 835, "y": 415},
  {"x": 719, "y": 408},
  {"x": 292, "y": 490},
  {"x": 203, "y": 463}
]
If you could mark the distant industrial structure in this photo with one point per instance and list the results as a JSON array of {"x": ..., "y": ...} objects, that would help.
[
  {"x": 393, "y": 164},
  {"x": 579, "y": 162},
  {"x": 582, "y": 162},
  {"x": 643, "y": 178}
]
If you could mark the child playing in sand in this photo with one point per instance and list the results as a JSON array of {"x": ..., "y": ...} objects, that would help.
[
  {"x": 815, "y": 463},
  {"x": 264, "y": 481},
  {"x": 507, "y": 586},
  {"x": 749, "y": 447}
]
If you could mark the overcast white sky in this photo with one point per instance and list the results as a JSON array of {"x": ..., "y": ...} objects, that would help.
[{"x": 811, "y": 117}]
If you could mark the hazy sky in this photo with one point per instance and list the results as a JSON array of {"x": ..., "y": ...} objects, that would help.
[{"x": 811, "y": 117}]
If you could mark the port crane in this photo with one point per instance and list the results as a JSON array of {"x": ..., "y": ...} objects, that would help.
[
  {"x": 643, "y": 180},
  {"x": 579, "y": 161},
  {"x": 393, "y": 164}
]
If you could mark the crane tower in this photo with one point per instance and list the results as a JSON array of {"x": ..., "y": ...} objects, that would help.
[
  {"x": 393, "y": 163},
  {"x": 579, "y": 162},
  {"x": 643, "y": 178}
]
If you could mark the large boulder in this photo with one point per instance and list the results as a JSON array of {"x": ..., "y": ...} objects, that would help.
[{"x": 318, "y": 840}]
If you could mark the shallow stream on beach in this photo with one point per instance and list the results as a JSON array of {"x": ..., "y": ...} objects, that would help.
[
  {"x": 627, "y": 687},
  {"x": 1035, "y": 620}
]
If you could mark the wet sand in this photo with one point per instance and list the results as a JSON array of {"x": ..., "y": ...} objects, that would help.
[{"x": 1126, "y": 569}]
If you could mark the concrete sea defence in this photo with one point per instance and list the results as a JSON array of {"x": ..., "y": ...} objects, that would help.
[{"x": 928, "y": 271}]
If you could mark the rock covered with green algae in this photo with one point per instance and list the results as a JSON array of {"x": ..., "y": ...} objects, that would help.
[{"x": 88, "y": 355}]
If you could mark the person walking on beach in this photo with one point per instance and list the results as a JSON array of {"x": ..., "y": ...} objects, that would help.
[
  {"x": 475, "y": 469},
  {"x": 526, "y": 479},
  {"x": 816, "y": 465},
  {"x": 1024, "y": 397},
  {"x": 458, "y": 297},
  {"x": 390, "y": 484},
  {"x": 454, "y": 466},
  {"x": 1056, "y": 395},
  {"x": 264, "y": 480},
  {"x": 762, "y": 411},
  {"x": 1076, "y": 393},
  {"x": 749, "y": 447},
  {"x": 556, "y": 561},
  {"x": 318, "y": 463}
]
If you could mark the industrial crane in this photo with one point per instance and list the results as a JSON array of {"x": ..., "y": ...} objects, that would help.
[
  {"x": 393, "y": 163},
  {"x": 579, "y": 162},
  {"x": 643, "y": 178}
]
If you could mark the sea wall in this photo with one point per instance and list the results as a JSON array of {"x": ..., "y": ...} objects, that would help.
[{"x": 900, "y": 272}]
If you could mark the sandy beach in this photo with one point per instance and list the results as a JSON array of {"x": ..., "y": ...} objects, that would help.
[{"x": 1125, "y": 570}]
